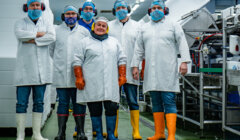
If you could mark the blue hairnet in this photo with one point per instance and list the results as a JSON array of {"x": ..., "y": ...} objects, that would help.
[
  {"x": 120, "y": 3},
  {"x": 70, "y": 8},
  {"x": 158, "y": 2},
  {"x": 88, "y": 3},
  {"x": 31, "y": 1}
]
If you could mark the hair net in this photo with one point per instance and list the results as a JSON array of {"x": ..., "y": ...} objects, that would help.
[
  {"x": 158, "y": 2},
  {"x": 88, "y": 3},
  {"x": 103, "y": 19},
  {"x": 31, "y": 1},
  {"x": 120, "y": 3},
  {"x": 70, "y": 8}
]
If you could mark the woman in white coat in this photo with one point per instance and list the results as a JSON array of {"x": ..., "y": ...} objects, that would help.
[
  {"x": 159, "y": 41},
  {"x": 100, "y": 68},
  {"x": 33, "y": 65},
  {"x": 67, "y": 34}
]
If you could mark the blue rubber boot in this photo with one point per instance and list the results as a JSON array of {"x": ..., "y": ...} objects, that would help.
[
  {"x": 97, "y": 126},
  {"x": 111, "y": 123}
]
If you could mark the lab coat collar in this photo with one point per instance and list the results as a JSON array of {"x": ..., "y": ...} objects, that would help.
[
  {"x": 119, "y": 22},
  {"x": 30, "y": 21},
  {"x": 68, "y": 28}
]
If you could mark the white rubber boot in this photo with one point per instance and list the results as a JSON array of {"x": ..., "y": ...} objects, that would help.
[
  {"x": 20, "y": 119},
  {"x": 36, "y": 126}
]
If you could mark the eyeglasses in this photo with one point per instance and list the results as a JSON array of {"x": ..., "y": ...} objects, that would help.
[{"x": 69, "y": 14}]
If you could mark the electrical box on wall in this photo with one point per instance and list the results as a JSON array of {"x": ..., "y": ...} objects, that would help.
[{"x": 234, "y": 44}]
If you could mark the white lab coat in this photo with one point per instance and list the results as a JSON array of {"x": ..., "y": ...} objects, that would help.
[
  {"x": 160, "y": 43},
  {"x": 33, "y": 64},
  {"x": 99, "y": 61},
  {"x": 126, "y": 35},
  {"x": 62, "y": 51}
]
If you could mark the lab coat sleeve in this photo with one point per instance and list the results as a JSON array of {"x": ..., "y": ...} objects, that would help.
[
  {"x": 79, "y": 53},
  {"x": 139, "y": 51},
  {"x": 122, "y": 58},
  {"x": 52, "y": 49},
  {"x": 181, "y": 43},
  {"x": 21, "y": 33},
  {"x": 48, "y": 38}
]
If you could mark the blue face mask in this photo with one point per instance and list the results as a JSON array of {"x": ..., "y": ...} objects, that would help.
[
  {"x": 34, "y": 14},
  {"x": 157, "y": 15},
  {"x": 121, "y": 14},
  {"x": 87, "y": 15},
  {"x": 70, "y": 20}
]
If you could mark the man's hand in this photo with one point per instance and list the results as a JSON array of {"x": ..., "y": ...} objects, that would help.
[
  {"x": 30, "y": 41},
  {"x": 40, "y": 34},
  {"x": 135, "y": 73},
  {"x": 183, "y": 68}
]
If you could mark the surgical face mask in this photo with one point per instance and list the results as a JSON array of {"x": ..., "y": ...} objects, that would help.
[
  {"x": 34, "y": 14},
  {"x": 87, "y": 15},
  {"x": 70, "y": 20},
  {"x": 121, "y": 14},
  {"x": 157, "y": 15}
]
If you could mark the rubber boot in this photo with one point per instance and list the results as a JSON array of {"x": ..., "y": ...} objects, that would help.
[
  {"x": 111, "y": 123},
  {"x": 135, "y": 124},
  {"x": 20, "y": 119},
  {"x": 80, "y": 120},
  {"x": 36, "y": 125},
  {"x": 171, "y": 125},
  {"x": 97, "y": 126},
  {"x": 159, "y": 123},
  {"x": 62, "y": 120},
  {"x": 75, "y": 132},
  {"x": 116, "y": 127},
  {"x": 94, "y": 134}
]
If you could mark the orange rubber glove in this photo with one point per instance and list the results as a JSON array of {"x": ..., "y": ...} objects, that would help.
[
  {"x": 80, "y": 83},
  {"x": 122, "y": 75},
  {"x": 143, "y": 68}
]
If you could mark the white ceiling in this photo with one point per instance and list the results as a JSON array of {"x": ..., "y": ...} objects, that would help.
[{"x": 58, "y": 5}]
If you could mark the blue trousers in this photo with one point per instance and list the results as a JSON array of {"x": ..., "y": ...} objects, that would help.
[
  {"x": 131, "y": 94},
  {"x": 163, "y": 102},
  {"x": 65, "y": 94},
  {"x": 23, "y": 93}
]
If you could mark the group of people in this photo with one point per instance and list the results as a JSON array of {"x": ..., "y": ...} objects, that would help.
[{"x": 91, "y": 59}]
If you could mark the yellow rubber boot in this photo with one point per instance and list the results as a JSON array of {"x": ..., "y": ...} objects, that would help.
[
  {"x": 94, "y": 133},
  {"x": 135, "y": 124},
  {"x": 159, "y": 123},
  {"x": 75, "y": 134},
  {"x": 171, "y": 125},
  {"x": 116, "y": 126}
]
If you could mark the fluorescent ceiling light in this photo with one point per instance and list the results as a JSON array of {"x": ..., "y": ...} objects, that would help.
[{"x": 134, "y": 8}]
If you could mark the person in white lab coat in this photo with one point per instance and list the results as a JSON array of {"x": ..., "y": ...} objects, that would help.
[
  {"x": 159, "y": 42},
  {"x": 125, "y": 30},
  {"x": 33, "y": 65},
  {"x": 63, "y": 75},
  {"x": 100, "y": 68}
]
